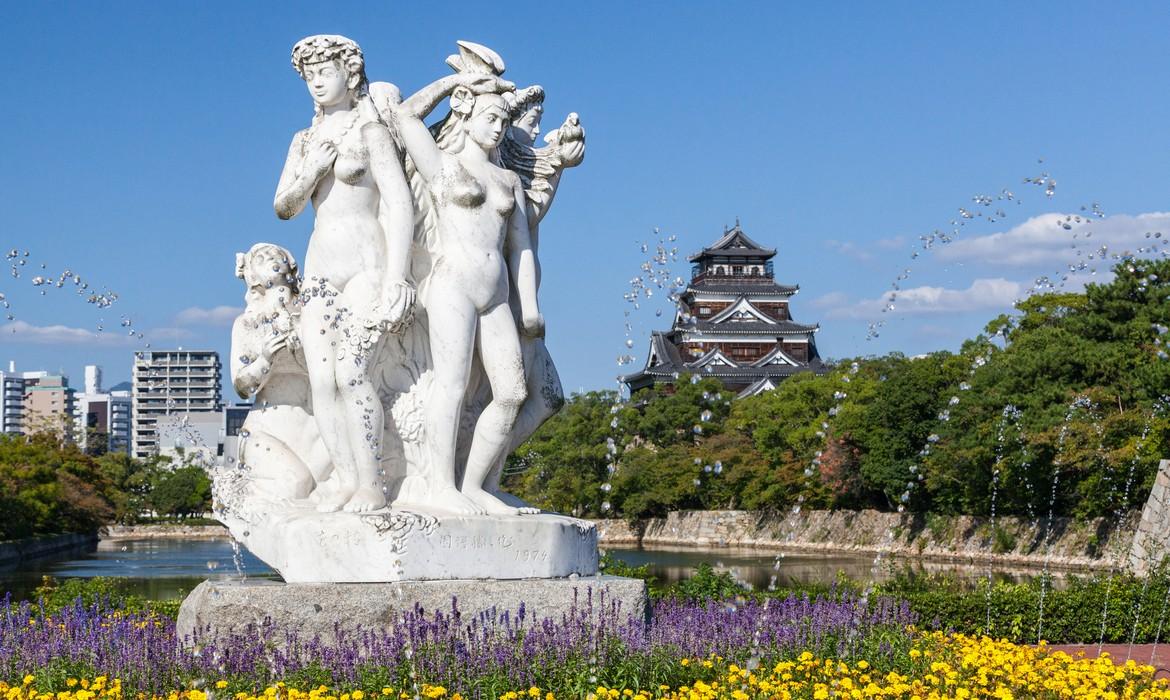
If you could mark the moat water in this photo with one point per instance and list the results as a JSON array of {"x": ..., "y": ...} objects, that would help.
[{"x": 163, "y": 568}]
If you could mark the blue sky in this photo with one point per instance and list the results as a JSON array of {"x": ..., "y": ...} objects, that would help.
[{"x": 143, "y": 143}]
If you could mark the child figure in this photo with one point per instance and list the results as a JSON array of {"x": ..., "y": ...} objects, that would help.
[{"x": 279, "y": 441}]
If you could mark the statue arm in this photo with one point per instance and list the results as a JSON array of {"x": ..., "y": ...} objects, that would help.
[
  {"x": 248, "y": 377},
  {"x": 396, "y": 213},
  {"x": 541, "y": 198},
  {"x": 522, "y": 261},
  {"x": 297, "y": 182},
  {"x": 419, "y": 145},
  {"x": 421, "y": 103}
]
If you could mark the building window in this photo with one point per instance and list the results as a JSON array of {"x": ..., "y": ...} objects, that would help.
[{"x": 704, "y": 310}]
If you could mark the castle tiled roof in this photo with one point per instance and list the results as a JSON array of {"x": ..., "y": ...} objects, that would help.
[
  {"x": 755, "y": 286},
  {"x": 750, "y": 328},
  {"x": 734, "y": 243}
]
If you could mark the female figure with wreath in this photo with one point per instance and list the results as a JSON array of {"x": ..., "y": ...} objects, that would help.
[{"x": 356, "y": 284}]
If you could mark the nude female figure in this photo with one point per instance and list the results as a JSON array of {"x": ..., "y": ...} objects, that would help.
[
  {"x": 482, "y": 247},
  {"x": 356, "y": 284}
]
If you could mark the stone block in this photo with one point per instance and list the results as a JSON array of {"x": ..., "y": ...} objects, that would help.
[
  {"x": 218, "y": 608},
  {"x": 310, "y": 547}
]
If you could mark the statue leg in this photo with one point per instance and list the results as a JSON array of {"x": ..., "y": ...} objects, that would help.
[
  {"x": 504, "y": 366},
  {"x": 363, "y": 425},
  {"x": 451, "y": 323},
  {"x": 272, "y": 461},
  {"x": 545, "y": 398},
  {"x": 318, "y": 338}
]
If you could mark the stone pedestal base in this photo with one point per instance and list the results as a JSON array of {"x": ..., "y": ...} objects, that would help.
[
  {"x": 217, "y": 608},
  {"x": 398, "y": 545}
]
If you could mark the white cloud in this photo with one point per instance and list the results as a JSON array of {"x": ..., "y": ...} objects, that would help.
[
  {"x": 23, "y": 332},
  {"x": 1043, "y": 240},
  {"x": 893, "y": 243},
  {"x": 850, "y": 249},
  {"x": 218, "y": 316},
  {"x": 997, "y": 293},
  {"x": 830, "y": 300},
  {"x": 862, "y": 251}
]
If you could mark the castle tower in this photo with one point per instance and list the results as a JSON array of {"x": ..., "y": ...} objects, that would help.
[{"x": 732, "y": 323}]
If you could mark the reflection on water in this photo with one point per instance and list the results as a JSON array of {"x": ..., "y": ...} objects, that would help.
[
  {"x": 154, "y": 568},
  {"x": 673, "y": 564},
  {"x": 170, "y": 568}
]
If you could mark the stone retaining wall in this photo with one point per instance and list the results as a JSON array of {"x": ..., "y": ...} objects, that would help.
[
  {"x": 19, "y": 551},
  {"x": 1099, "y": 543},
  {"x": 150, "y": 532},
  {"x": 1151, "y": 543}
]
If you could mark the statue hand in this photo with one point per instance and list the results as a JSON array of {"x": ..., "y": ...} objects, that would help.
[
  {"x": 481, "y": 83},
  {"x": 571, "y": 153},
  {"x": 320, "y": 159},
  {"x": 569, "y": 138},
  {"x": 533, "y": 325},
  {"x": 397, "y": 305},
  {"x": 274, "y": 344}
]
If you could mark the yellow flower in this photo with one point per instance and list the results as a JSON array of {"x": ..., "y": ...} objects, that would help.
[{"x": 221, "y": 684}]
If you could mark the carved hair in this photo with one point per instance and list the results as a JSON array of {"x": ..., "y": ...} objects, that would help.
[
  {"x": 449, "y": 134},
  {"x": 521, "y": 101},
  {"x": 321, "y": 48},
  {"x": 245, "y": 264}
]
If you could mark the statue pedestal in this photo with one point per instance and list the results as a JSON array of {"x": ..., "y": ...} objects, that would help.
[
  {"x": 220, "y": 608},
  {"x": 396, "y": 545}
]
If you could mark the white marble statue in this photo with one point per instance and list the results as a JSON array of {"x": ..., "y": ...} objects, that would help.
[
  {"x": 280, "y": 442},
  {"x": 540, "y": 172},
  {"x": 381, "y": 424},
  {"x": 355, "y": 267}
]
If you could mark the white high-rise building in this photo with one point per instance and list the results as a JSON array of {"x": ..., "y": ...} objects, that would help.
[
  {"x": 101, "y": 415},
  {"x": 166, "y": 382},
  {"x": 11, "y": 401}
]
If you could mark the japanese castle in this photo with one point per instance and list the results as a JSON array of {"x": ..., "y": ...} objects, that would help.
[{"x": 732, "y": 323}]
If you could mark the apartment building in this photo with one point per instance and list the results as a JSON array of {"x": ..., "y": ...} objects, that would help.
[
  {"x": 101, "y": 418},
  {"x": 167, "y": 382},
  {"x": 11, "y": 401},
  {"x": 48, "y": 403}
]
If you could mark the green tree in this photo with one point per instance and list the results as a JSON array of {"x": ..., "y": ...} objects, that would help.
[
  {"x": 183, "y": 491},
  {"x": 49, "y": 487}
]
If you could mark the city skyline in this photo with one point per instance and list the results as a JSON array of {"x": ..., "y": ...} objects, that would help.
[{"x": 840, "y": 137}]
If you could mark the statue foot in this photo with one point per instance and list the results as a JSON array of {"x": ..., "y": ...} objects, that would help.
[
  {"x": 521, "y": 505},
  {"x": 334, "y": 501},
  {"x": 490, "y": 503},
  {"x": 365, "y": 500},
  {"x": 451, "y": 499}
]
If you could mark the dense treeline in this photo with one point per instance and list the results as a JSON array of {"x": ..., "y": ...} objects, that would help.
[
  {"x": 1057, "y": 408},
  {"x": 49, "y": 487}
]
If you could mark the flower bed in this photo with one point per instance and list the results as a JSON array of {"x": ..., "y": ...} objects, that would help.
[{"x": 795, "y": 647}]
